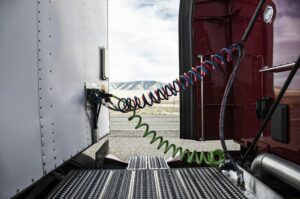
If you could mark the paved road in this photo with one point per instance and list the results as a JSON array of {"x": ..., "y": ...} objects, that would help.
[
  {"x": 165, "y": 125},
  {"x": 126, "y": 142}
]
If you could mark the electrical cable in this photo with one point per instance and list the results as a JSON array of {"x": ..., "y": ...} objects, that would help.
[
  {"x": 217, "y": 62},
  {"x": 223, "y": 106},
  {"x": 228, "y": 88}
]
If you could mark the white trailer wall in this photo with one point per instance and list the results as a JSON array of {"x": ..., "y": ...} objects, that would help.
[{"x": 48, "y": 50}]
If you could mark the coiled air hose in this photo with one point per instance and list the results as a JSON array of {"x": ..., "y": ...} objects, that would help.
[
  {"x": 218, "y": 61},
  {"x": 211, "y": 158}
]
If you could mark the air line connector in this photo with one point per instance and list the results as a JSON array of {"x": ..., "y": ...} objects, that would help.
[
  {"x": 229, "y": 165},
  {"x": 94, "y": 98}
]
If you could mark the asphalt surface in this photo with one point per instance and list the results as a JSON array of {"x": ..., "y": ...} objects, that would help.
[{"x": 125, "y": 141}]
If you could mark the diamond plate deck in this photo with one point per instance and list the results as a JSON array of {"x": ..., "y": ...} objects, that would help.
[
  {"x": 147, "y": 162},
  {"x": 164, "y": 183}
]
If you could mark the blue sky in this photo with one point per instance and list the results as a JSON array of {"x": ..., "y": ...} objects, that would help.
[{"x": 143, "y": 40}]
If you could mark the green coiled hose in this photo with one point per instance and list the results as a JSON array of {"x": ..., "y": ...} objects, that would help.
[{"x": 211, "y": 158}]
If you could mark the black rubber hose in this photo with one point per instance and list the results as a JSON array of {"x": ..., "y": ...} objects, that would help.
[
  {"x": 224, "y": 103},
  {"x": 273, "y": 108},
  {"x": 231, "y": 80},
  {"x": 252, "y": 22}
]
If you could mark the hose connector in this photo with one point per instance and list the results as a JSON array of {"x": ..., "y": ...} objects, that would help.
[
  {"x": 229, "y": 165},
  {"x": 241, "y": 180}
]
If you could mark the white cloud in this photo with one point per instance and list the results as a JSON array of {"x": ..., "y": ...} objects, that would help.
[{"x": 143, "y": 36}]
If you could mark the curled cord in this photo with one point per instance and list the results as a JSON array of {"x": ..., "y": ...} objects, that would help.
[
  {"x": 211, "y": 158},
  {"x": 217, "y": 62}
]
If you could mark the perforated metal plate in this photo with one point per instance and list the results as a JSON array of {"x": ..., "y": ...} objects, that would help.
[
  {"x": 147, "y": 162},
  {"x": 167, "y": 183}
]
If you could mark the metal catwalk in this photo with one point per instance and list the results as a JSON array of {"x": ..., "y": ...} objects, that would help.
[
  {"x": 161, "y": 183},
  {"x": 147, "y": 162}
]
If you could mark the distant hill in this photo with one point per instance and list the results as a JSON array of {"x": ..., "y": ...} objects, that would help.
[{"x": 136, "y": 85}]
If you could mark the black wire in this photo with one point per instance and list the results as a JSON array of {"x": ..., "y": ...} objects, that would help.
[
  {"x": 231, "y": 81},
  {"x": 252, "y": 22},
  {"x": 273, "y": 108},
  {"x": 224, "y": 103}
]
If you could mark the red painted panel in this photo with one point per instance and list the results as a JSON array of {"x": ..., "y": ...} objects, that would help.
[
  {"x": 209, "y": 37},
  {"x": 269, "y": 44}
]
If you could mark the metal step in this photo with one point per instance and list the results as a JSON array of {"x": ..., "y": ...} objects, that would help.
[
  {"x": 164, "y": 183},
  {"x": 147, "y": 162}
]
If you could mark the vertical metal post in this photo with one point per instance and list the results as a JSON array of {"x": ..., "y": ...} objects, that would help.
[{"x": 202, "y": 103}]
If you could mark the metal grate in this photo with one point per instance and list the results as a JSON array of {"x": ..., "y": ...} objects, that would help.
[
  {"x": 137, "y": 163},
  {"x": 157, "y": 162},
  {"x": 143, "y": 163},
  {"x": 164, "y": 183}
]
